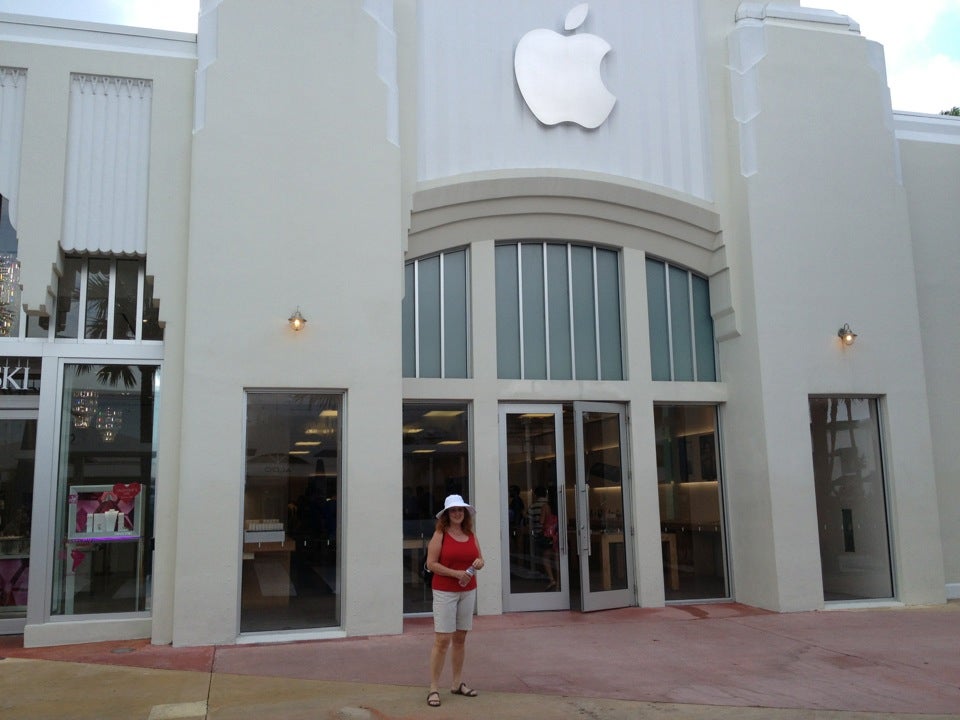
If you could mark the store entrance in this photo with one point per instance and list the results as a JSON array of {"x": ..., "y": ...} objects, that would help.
[
  {"x": 18, "y": 441},
  {"x": 563, "y": 471}
]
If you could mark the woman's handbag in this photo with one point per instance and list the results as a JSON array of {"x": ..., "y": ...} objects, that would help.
[{"x": 426, "y": 574}]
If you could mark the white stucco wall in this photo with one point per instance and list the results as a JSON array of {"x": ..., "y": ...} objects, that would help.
[
  {"x": 931, "y": 177},
  {"x": 296, "y": 202},
  {"x": 471, "y": 116},
  {"x": 829, "y": 243}
]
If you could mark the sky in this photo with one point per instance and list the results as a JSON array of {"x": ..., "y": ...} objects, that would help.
[{"x": 921, "y": 38}]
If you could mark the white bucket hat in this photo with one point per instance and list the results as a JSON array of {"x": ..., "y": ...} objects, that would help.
[{"x": 455, "y": 501}]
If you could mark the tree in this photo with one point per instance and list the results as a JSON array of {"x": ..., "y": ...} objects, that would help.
[{"x": 955, "y": 110}]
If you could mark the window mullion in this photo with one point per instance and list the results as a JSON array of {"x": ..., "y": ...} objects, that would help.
[
  {"x": 416, "y": 318},
  {"x": 546, "y": 308},
  {"x": 596, "y": 313},
  {"x": 523, "y": 372},
  {"x": 573, "y": 329},
  {"x": 666, "y": 285},
  {"x": 693, "y": 327}
]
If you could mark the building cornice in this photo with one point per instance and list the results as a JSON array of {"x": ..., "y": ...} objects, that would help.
[
  {"x": 920, "y": 127},
  {"x": 96, "y": 36}
]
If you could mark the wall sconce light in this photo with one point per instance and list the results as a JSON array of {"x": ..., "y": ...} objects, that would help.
[
  {"x": 846, "y": 335},
  {"x": 297, "y": 320}
]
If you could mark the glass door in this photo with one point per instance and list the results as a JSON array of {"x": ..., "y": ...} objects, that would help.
[
  {"x": 534, "y": 542},
  {"x": 18, "y": 439},
  {"x": 601, "y": 492}
]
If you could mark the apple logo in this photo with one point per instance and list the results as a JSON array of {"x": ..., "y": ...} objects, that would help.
[{"x": 559, "y": 75}]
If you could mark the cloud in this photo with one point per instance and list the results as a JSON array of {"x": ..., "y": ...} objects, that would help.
[{"x": 922, "y": 52}]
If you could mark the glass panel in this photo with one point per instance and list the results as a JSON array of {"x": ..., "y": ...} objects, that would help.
[
  {"x": 18, "y": 443},
  {"x": 98, "y": 294},
  {"x": 604, "y": 479},
  {"x": 681, "y": 331},
  {"x": 508, "y": 312},
  {"x": 657, "y": 309},
  {"x": 125, "y": 300},
  {"x": 290, "y": 578},
  {"x": 68, "y": 298},
  {"x": 534, "y": 313},
  {"x": 690, "y": 509},
  {"x": 851, "y": 500},
  {"x": 428, "y": 298},
  {"x": 408, "y": 319},
  {"x": 38, "y": 326},
  {"x": 703, "y": 327},
  {"x": 558, "y": 303},
  {"x": 436, "y": 462},
  {"x": 105, "y": 490},
  {"x": 584, "y": 317},
  {"x": 151, "y": 313},
  {"x": 532, "y": 503},
  {"x": 9, "y": 275},
  {"x": 608, "y": 301},
  {"x": 455, "y": 314}
]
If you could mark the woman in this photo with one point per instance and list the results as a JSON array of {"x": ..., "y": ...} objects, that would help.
[
  {"x": 451, "y": 551},
  {"x": 549, "y": 543}
]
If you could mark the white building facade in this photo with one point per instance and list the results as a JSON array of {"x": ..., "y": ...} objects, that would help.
[{"x": 604, "y": 267}]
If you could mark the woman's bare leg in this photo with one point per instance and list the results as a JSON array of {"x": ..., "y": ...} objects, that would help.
[
  {"x": 457, "y": 656},
  {"x": 438, "y": 654}
]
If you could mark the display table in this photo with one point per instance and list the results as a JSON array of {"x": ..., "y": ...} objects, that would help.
[
  {"x": 266, "y": 574},
  {"x": 670, "y": 540},
  {"x": 610, "y": 538}
]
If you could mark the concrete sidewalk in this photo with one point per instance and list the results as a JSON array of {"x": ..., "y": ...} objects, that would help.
[{"x": 681, "y": 662}]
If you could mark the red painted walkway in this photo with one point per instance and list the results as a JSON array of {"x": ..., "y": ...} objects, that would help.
[{"x": 874, "y": 661}]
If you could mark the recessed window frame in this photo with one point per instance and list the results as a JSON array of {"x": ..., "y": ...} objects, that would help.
[
  {"x": 691, "y": 298},
  {"x": 413, "y": 295},
  {"x": 599, "y": 359},
  {"x": 44, "y": 328}
]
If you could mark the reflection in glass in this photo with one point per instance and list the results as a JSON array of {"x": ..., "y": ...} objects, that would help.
[
  {"x": 107, "y": 470},
  {"x": 18, "y": 442},
  {"x": 68, "y": 298},
  {"x": 9, "y": 274},
  {"x": 436, "y": 462},
  {"x": 851, "y": 501},
  {"x": 532, "y": 503},
  {"x": 604, "y": 475},
  {"x": 125, "y": 300},
  {"x": 98, "y": 292},
  {"x": 688, "y": 483},
  {"x": 291, "y": 571}
]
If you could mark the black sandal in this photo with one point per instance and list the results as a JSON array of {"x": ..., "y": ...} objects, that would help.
[
  {"x": 464, "y": 690},
  {"x": 433, "y": 701}
]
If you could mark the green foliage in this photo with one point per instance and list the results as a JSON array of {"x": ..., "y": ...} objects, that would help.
[{"x": 952, "y": 111}]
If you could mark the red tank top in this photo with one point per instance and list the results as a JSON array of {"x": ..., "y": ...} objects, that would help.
[{"x": 455, "y": 555}]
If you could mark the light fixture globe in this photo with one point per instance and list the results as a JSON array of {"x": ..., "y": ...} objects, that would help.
[
  {"x": 297, "y": 320},
  {"x": 846, "y": 335}
]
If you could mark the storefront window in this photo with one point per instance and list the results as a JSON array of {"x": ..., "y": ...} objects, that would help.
[
  {"x": 291, "y": 517},
  {"x": 18, "y": 442},
  {"x": 105, "y": 489},
  {"x": 558, "y": 312},
  {"x": 688, "y": 482},
  {"x": 9, "y": 274},
  {"x": 851, "y": 498},
  {"x": 436, "y": 463}
]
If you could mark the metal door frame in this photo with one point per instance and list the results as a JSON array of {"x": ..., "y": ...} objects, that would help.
[
  {"x": 518, "y": 602},
  {"x": 602, "y": 599}
]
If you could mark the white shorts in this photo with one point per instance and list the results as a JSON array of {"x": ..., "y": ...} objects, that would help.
[{"x": 453, "y": 610}]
